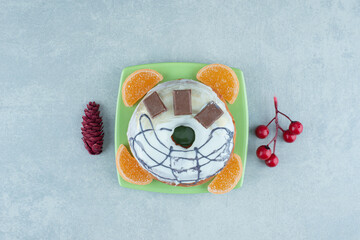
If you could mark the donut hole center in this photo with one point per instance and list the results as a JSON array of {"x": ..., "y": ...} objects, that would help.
[{"x": 183, "y": 136}]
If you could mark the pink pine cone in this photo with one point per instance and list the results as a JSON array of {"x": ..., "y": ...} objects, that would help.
[{"x": 92, "y": 129}]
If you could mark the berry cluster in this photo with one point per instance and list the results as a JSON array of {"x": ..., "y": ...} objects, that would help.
[{"x": 264, "y": 152}]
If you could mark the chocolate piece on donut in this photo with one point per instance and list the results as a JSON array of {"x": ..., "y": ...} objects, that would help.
[
  {"x": 154, "y": 105},
  {"x": 209, "y": 114},
  {"x": 182, "y": 102}
]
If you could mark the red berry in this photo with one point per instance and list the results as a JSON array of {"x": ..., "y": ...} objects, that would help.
[
  {"x": 262, "y": 131},
  {"x": 289, "y": 137},
  {"x": 263, "y": 152},
  {"x": 272, "y": 161},
  {"x": 295, "y": 127}
]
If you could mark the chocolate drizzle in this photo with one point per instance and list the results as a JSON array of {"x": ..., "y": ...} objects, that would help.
[{"x": 172, "y": 159}]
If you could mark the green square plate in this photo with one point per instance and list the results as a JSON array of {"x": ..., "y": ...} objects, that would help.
[{"x": 172, "y": 71}]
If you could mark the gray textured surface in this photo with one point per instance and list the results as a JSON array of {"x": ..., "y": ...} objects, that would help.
[{"x": 54, "y": 57}]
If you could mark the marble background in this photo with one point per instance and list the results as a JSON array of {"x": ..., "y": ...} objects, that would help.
[{"x": 55, "y": 56}]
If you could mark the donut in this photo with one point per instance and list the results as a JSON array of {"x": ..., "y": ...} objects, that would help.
[{"x": 189, "y": 105}]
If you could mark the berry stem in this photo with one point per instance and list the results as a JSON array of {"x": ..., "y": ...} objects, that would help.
[
  {"x": 277, "y": 125},
  {"x": 270, "y": 122},
  {"x": 285, "y": 116},
  {"x": 276, "y": 122},
  {"x": 274, "y": 146}
]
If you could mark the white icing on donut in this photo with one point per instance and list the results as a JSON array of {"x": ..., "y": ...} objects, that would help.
[{"x": 151, "y": 144}]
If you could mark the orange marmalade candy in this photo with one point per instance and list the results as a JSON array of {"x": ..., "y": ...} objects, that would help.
[
  {"x": 137, "y": 84},
  {"x": 222, "y": 79},
  {"x": 129, "y": 168},
  {"x": 227, "y": 179}
]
